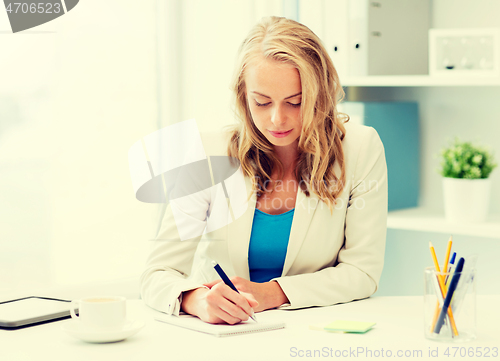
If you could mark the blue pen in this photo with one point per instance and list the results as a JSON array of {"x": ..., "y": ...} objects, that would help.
[
  {"x": 452, "y": 262},
  {"x": 228, "y": 282},
  {"x": 449, "y": 295}
]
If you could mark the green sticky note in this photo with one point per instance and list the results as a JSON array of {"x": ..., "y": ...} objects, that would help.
[{"x": 349, "y": 326}]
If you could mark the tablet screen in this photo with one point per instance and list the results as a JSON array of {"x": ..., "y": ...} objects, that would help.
[{"x": 31, "y": 310}]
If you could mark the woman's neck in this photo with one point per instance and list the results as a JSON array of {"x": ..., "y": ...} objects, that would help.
[{"x": 288, "y": 156}]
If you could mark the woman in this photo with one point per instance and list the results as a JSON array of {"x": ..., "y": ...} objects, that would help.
[{"x": 314, "y": 230}]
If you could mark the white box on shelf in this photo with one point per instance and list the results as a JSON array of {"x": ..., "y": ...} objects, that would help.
[{"x": 474, "y": 52}]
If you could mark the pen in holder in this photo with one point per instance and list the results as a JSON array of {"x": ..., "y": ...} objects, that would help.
[{"x": 462, "y": 305}]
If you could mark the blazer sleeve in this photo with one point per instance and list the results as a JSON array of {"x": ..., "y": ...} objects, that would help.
[
  {"x": 170, "y": 258},
  {"x": 171, "y": 255},
  {"x": 360, "y": 260}
]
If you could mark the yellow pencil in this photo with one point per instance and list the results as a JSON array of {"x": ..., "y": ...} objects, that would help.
[
  {"x": 446, "y": 261},
  {"x": 447, "y": 258},
  {"x": 442, "y": 286}
]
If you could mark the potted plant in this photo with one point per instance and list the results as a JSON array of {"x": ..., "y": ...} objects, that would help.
[{"x": 465, "y": 168}]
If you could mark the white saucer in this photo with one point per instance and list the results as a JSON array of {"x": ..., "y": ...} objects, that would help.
[{"x": 74, "y": 328}]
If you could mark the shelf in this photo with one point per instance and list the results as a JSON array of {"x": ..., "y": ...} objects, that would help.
[
  {"x": 420, "y": 219},
  {"x": 419, "y": 81}
]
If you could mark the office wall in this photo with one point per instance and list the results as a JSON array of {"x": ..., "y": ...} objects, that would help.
[
  {"x": 75, "y": 94},
  {"x": 407, "y": 254}
]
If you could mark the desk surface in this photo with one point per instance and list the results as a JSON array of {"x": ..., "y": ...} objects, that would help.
[{"x": 399, "y": 328}]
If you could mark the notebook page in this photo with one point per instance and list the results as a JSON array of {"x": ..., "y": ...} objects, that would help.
[{"x": 194, "y": 323}]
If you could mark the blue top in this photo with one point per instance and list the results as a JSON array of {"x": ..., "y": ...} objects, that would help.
[{"x": 268, "y": 244}]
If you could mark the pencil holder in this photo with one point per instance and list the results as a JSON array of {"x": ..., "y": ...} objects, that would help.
[{"x": 457, "y": 323}]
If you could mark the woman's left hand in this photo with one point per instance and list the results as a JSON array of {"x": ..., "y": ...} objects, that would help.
[{"x": 268, "y": 294}]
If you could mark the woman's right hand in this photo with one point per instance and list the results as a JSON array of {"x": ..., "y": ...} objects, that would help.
[{"x": 220, "y": 304}]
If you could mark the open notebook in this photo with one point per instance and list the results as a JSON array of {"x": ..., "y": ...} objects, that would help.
[{"x": 194, "y": 323}]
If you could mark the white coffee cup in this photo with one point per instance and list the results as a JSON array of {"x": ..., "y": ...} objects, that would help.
[{"x": 100, "y": 313}]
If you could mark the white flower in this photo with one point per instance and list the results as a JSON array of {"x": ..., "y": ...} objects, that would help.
[
  {"x": 475, "y": 172},
  {"x": 477, "y": 159}
]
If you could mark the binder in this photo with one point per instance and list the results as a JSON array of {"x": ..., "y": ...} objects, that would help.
[
  {"x": 328, "y": 19},
  {"x": 397, "y": 124},
  {"x": 336, "y": 34},
  {"x": 388, "y": 37},
  {"x": 358, "y": 44}
]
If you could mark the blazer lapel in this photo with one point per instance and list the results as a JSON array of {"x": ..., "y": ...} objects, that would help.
[
  {"x": 303, "y": 214},
  {"x": 239, "y": 232}
]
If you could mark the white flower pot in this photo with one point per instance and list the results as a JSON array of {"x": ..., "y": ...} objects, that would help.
[{"x": 466, "y": 200}]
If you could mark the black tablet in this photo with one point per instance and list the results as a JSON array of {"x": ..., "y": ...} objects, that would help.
[{"x": 30, "y": 311}]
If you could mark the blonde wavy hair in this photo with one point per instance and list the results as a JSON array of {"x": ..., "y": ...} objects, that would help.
[{"x": 320, "y": 142}]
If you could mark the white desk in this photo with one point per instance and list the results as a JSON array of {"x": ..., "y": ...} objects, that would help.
[{"x": 399, "y": 327}]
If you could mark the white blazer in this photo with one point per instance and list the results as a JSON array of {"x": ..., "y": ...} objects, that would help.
[{"x": 331, "y": 257}]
